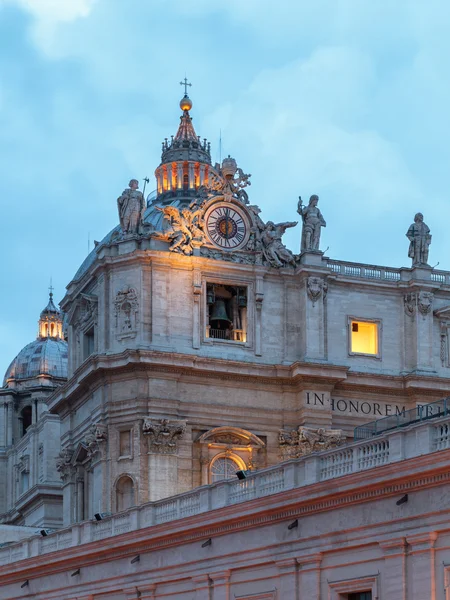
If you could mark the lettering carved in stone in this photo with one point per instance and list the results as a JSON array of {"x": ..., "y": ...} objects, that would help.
[
  {"x": 305, "y": 440},
  {"x": 163, "y": 434}
]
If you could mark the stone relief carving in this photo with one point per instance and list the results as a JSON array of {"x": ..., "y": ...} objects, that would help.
[
  {"x": 131, "y": 206},
  {"x": 305, "y": 440},
  {"x": 228, "y": 180},
  {"x": 419, "y": 238},
  {"x": 443, "y": 326},
  {"x": 313, "y": 221},
  {"x": 126, "y": 309},
  {"x": 24, "y": 463},
  {"x": 315, "y": 287},
  {"x": 89, "y": 309},
  {"x": 163, "y": 434},
  {"x": 93, "y": 441},
  {"x": 425, "y": 302},
  {"x": 185, "y": 233},
  {"x": 410, "y": 304},
  {"x": 64, "y": 465}
]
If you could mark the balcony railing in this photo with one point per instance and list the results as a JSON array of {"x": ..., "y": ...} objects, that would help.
[
  {"x": 232, "y": 335},
  {"x": 392, "y": 447},
  {"x": 422, "y": 412}
]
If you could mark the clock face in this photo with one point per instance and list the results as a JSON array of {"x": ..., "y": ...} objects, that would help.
[{"x": 226, "y": 226}]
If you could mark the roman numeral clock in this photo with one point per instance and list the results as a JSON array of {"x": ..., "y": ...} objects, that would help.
[{"x": 227, "y": 226}]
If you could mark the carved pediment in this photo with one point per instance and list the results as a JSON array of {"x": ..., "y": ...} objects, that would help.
[
  {"x": 442, "y": 313},
  {"x": 305, "y": 440},
  {"x": 231, "y": 436}
]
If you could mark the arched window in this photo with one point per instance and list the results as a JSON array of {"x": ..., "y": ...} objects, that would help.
[
  {"x": 124, "y": 493},
  {"x": 26, "y": 417},
  {"x": 223, "y": 467}
]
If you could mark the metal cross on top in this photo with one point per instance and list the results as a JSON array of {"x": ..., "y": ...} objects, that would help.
[
  {"x": 51, "y": 288},
  {"x": 186, "y": 84}
]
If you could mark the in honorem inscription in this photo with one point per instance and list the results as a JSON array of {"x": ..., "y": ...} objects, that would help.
[{"x": 357, "y": 407}]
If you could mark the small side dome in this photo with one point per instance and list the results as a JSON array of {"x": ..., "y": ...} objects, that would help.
[
  {"x": 43, "y": 357},
  {"x": 47, "y": 355}
]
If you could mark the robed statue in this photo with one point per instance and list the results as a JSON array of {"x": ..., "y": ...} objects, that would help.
[
  {"x": 313, "y": 221},
  {"x": 131, "y": 205},
  {"x": 419, "y": 237}
]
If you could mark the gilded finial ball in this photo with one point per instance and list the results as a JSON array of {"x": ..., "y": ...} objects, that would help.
[{"x": 186, "y": 103}]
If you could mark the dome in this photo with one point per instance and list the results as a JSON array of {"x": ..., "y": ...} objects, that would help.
[{"x": 44, "y": 356}]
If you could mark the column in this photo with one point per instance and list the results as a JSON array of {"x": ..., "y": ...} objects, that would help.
[
  {"x": 221, "y": 585},
  {"x": 393, "y": 579},
  {"x": 202, "y": 174},
  {"x": 191, "y": 176},
  {"x": 197, "y": 289},
  {"x": 3, "y": 418},
  {"x": 201, "y": 585},
  {"x": 315, "y": 318},
  {"x": 9, "y": 433},
  {"x": 33, "y": 412},
  {"x": 422, "y": 566},
  {"x": 310, "y": 576},
  {"x": 287, "y": 577},
  {"x": 180, "y": 176},
  {"x": 259, "y": 297}
]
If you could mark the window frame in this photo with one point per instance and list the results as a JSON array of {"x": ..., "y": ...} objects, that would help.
[
  {"x": 339, "y": 590},
  {"x": 230, "y": 455},
  {"x": 232, "y": 282},
  {"x": 379, "y": 326}
]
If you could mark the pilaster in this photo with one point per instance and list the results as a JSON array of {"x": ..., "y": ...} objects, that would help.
[
  {"x": 287, "y": 577},
  {"x": 202, "y": 587},
  {"x": 422, "y": 566},
  {"x": 393, "y": 582},
  {"x": 221, "y": 585},
  {"x": 309, "y": 580}
]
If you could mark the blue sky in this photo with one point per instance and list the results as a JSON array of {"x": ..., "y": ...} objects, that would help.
[{"x": 344, "y": 98}]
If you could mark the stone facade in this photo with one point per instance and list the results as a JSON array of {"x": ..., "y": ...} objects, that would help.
[
  {"x": 370, "y": 517},
  {"x": 199, "y": 345}
]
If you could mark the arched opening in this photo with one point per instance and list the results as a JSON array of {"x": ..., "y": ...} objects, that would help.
[
  {"x": 225, "y": 467},
  {"x": 52, "y": 330},
  {"x": 124, "y": 493},
  {"x": 26, "y": 419}
]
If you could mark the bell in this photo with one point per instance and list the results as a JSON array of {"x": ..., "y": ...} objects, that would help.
[{"x": 219, "y": 317}]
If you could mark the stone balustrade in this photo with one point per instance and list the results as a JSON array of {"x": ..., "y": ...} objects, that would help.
[
  {"x": 350, "y": 269},
  {"x": 393, "y": 446}
]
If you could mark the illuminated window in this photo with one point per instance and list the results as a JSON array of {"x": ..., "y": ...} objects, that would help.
[
  {"x": 222, "y": 468},
  {"x": 364, "y": 337}
]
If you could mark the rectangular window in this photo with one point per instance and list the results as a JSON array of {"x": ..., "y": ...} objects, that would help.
[
  {"x": 125, "y": 443},
  {"x": 226, "y": 312},
  {"x": 364, "y": 337},
  {"x": 88, "y": 343},
  {"x": 360, "y": 596}
]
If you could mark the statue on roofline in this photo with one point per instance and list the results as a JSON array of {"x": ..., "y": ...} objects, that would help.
[
  {"x": 313, "y": 221},
  {"x": 131, "y": 206},
  {"x": 419, "y": 237}
]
